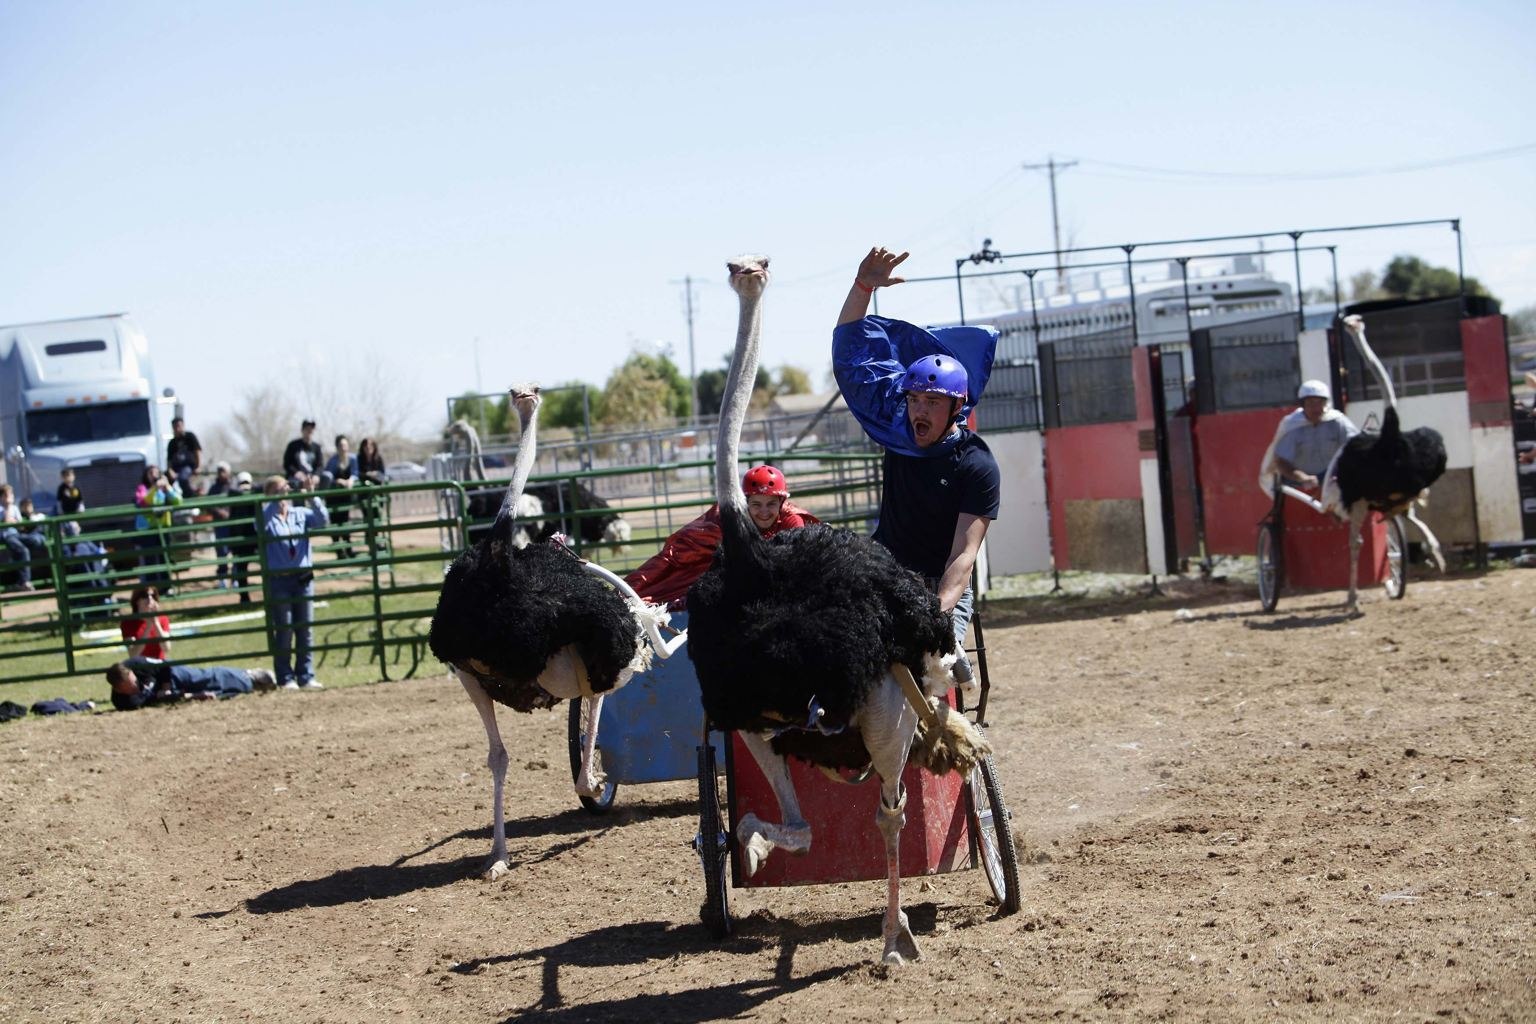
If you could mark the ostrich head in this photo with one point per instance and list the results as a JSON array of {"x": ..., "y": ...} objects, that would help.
[
  {"x": 1355, "y": 324},
  {"x": 749, "y": 275},
  {"x": 526, "y": 400}
]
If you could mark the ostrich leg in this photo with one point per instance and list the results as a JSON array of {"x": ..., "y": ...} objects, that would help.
[
  {"x": 1435, "y": 554},
  {"x": 1357, "y": 516},
  {"x": 887, "y": 724},
  {"x": 759, "y": 838},
  {"x": 496, "y": 760},
  {"x": 591, "y": 782}
]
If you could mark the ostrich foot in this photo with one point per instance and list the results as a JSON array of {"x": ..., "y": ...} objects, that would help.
[
  {"x": 591, "y": 783},
  {"x": 495, "y": 868},
  {"x": 759, "y": 838},
  {"x": 900, "y": 946}
]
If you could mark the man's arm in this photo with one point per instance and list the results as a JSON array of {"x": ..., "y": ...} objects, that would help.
[
  {"x": 970, "y": 531},
  {"x": 874, "y": 272}
]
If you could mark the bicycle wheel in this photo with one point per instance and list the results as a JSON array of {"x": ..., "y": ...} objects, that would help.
[
  {"x": 1271, "y": 571},
  {"x": 1396, "y": 583},
  {"x": 712, "y": 843},
  {"x": 575, "y": 736},
  {"x": 992, "y": 827}
]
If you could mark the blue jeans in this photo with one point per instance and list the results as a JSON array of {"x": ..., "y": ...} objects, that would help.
[
  {"x": 289, "y": 598},
  {"x": 24, "y": 548},
  {"x": 217, "y": 679}
]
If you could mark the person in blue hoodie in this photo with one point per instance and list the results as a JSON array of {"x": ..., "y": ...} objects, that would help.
[
  {"x": 912, "y": 390},
  {"x": 290, "y": 581}
]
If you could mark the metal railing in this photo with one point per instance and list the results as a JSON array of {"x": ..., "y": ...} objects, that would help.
[{"x": 377, "y": 571}]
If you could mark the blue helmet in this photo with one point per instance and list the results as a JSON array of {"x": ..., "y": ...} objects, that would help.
[{"x": 941, "y": 374}]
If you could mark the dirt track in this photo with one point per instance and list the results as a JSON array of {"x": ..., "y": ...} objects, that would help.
[{"x": 1227, "y": 816}]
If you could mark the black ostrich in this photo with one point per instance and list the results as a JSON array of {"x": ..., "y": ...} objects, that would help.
[
  {"x": 529, "y": 627},
  {"x": 558, "y": 497},
  {"x": 1389, "y": 472},
  {"x": 811, "y": 628}
]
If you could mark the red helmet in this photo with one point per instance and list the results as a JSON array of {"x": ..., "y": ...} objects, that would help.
[{"x": 765, "y": 480}]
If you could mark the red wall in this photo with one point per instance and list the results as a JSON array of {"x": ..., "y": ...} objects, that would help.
[
  {"x": 1231, "y": 445},
  {"x": 1487, "y": 358},
  {"x": 1082, "y": 463}
]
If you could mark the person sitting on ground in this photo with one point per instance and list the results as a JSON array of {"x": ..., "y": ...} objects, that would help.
[
  {"x": 137, "y": 682},
  {"x": 71, "y": 501},
  {"x": 1306, "y": 440},
  {"x": 146, "y": 631},
  {"x": 665, "y": 577},
  {"x": 23, "y": 542}
]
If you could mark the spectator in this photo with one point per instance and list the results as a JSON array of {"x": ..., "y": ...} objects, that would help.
[
  {"x": 342, "y": 471},
  {"x": 303, "y": 459},
  {"x": 22, "y": 542},
  {"x": 222, "y": 485},
  {"x": 241, "y": 529},
  {"x": 155, "y": 496},
  {"x": 71, "y": 501},
  {"x": 146, "y": 631},
  {"x": 87, "y": 570},
  {"x": 183, "y": 454},
  {"x": 136, "y": 683},
  {"x": 291, "y": 582},
  {"x": 370, "y": 464}
]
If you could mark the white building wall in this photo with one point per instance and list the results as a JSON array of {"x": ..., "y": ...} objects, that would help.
[{"x": 1020, "y": 540}]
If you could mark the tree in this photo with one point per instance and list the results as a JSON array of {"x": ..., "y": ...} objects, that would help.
[
  {"x": 487, "y": 415},
  {"x": 791, "y": 380},
  {"x": 1408, "y": 277},
  {"x": 712, "y": 388},
  {"x": 648, "y": 390},
  {"x": 1362, "y": 287},
  {"x": 1522, "y": 322}
]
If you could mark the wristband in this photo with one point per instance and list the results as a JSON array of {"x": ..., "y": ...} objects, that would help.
[{"x": 861, "y": 286}]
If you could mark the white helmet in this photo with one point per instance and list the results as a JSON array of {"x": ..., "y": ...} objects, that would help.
[{"x": 1313, "y": 389}]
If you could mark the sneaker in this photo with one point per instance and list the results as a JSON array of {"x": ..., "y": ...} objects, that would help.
[
  {"x": 261, "y": 680},
  {"x": 289, "y": 685},
  {"x": 311, "y": 684},
  {"x": 220, "y": 585},
  {"x": 18, "y": 587}
]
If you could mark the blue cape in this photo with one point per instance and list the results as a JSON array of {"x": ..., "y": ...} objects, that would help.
[{"x": 870, "y": 357}]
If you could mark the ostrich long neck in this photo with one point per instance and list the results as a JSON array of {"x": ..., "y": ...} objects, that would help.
[
  {"x": 1369, "y": 355},
  {"x": 522, "y": 466},
  {"x": 733, "y": 410}
]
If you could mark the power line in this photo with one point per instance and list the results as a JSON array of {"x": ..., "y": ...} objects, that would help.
[
  {"x": 1423, "y": 165},
  {"x": 1050, "y": 167}
]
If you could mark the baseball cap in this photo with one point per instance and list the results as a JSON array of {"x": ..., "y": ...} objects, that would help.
[
  {"x": 1313, "y": 389},
  {"x": 242, "y": 477}
]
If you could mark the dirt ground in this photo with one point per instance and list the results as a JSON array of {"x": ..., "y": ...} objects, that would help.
[{"x": 1225, "y": 816}]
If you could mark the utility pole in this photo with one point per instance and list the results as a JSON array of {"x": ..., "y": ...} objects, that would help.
[
  {"x": 693, "y": 372},
  {"x": 1051, "y": 167}
]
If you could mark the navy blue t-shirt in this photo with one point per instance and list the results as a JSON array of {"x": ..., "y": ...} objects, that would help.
[{"x": 924, "y": 497}]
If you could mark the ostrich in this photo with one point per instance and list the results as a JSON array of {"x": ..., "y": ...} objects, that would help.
[
  {"x": 482, "y": 503},
  {"x": 528, "y": 627},
  {"x": 558, "y": 496},
  {"x": 815, "y": 628},
  {"x": 1389, "y": 472}
]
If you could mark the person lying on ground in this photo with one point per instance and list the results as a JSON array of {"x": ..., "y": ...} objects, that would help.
[{"x": 140, "y": 681}]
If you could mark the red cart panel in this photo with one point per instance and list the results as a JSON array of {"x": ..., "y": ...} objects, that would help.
[
  {"x": 846, "y": 845},
  {"x": 1317, "y": 549}
]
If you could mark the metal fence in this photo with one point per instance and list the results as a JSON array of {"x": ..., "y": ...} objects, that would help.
[{"x": 377, "y": 571}]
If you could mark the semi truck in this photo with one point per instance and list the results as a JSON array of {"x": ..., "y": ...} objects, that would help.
[{"x": 80, "y": 393}]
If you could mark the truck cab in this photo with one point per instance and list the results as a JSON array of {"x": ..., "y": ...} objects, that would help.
[{"x": 79, "y": 393}]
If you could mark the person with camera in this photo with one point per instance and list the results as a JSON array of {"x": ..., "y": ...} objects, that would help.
[
  {"x": 155, "y": 496},
  {"x": 290, "y": 581}
]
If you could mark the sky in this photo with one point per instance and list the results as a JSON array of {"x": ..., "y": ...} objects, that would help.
[{"x": 465, "y": 196}]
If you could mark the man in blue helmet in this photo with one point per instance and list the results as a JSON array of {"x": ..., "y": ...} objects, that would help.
[{"x": 941, "y": 481}]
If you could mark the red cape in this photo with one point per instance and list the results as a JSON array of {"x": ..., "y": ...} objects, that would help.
[{"x": 666, "y": 576}]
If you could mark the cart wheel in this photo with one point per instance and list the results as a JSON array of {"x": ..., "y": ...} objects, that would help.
[
  {"x": 712, "y": 844},
  {"x": 1271, "y": 571},
  {"x": 1396, "y": 583},
  {"x": 604, "y": 800},
  {"x": 993, "y": 828}
]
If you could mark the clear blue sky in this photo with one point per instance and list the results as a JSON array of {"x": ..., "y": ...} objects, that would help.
[{"x": 282, "y": 188}]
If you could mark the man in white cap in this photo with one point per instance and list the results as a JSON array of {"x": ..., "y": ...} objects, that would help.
[{"x": 1307, "y": 438}]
